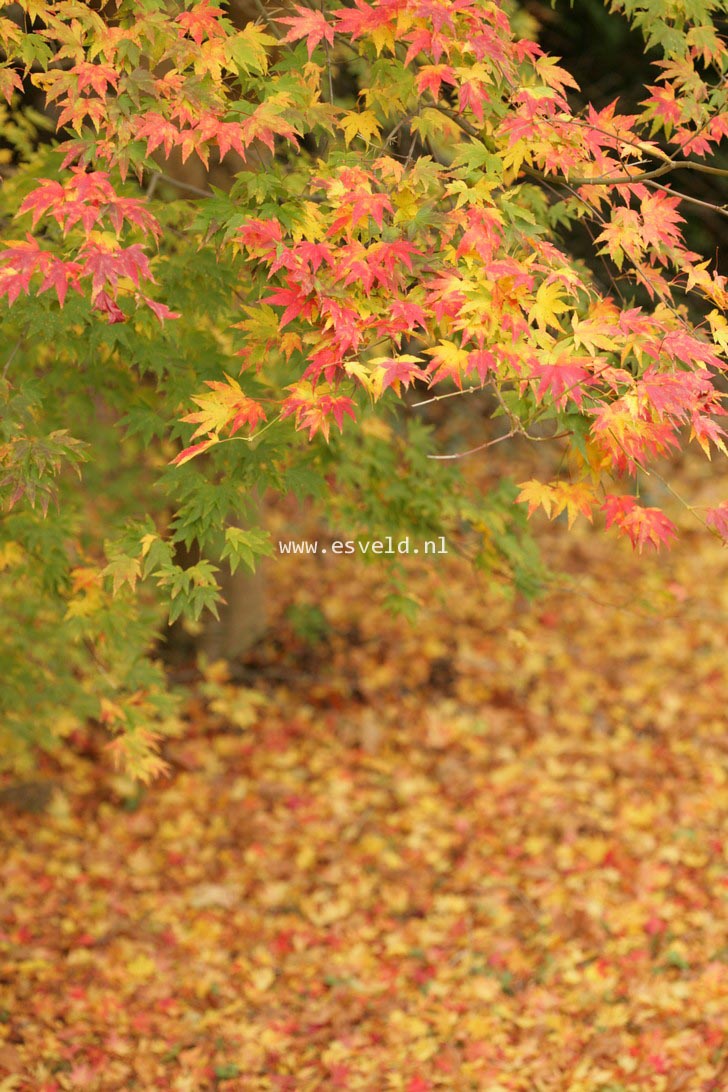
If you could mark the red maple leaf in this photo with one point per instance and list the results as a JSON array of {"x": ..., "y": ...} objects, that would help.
[
  {"x": 660, "y": 220},
  {"x": 310, "y": 25},
  {"x": 432, "y": 76},
  {"x": 405, "y": 315},
  {"x": 96, "y": 76},
  {"x": 663, "y": 104},
  {"x": 157, "y": 129},
  {"x": 365, "y": 18},
  {"x": 160, "y": 309},
  {"x": 717, "y": 518},
  {"x": 61, "y": 276},
  {"x": 104, "y": 303},
  {"x": 643, "y": 526},
  {"x": 47, "y": 195},
  {"x": 313, "y": 410},
  {"x": 24, "y": 259},
  {"x": 484, "y": 363},
  {"x": 201, "y": 22},
  {"x": 260, "y": 236},
  {"x": 294, "y": 301},
  {"x": 403, "y": 369},
  {"x": 472, "y": 95},
  {"x": 562, "y": 378},
  {"x": 106, "y": 266},
  {"x": 264, "y": 124}
]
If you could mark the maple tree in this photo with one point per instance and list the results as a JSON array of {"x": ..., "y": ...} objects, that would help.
[{"x": 405, "y": 172}]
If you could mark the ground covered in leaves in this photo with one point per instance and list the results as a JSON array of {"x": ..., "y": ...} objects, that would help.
[{"x": 486, "y": 852}]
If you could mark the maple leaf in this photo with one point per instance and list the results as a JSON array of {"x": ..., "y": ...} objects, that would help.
[
  {"x": 160, "y": 309},
  {"x": 431, "y": 77},
  {"x": 45, "y": 196},
  {"x": 704, "y": 429},
  {"x": 717, "y": 519},
  {"x": 200, "y": 22},
  {"x": 107, "y": 306},
  {"x": 660, "y": 219},
  {"x": 663, "y": 105},
  {"x": 536, "y": 494},
  {"x": 643, "y": 526},
  {"x": 61, "y": 276},
  {"x": 564, "y": 377},
  {"x": 22, "y": 260},
  {"x": 364, "y": 124},
  {"x": 294, "y": 301},
  {"x": 96, "y": 76},
  {"x": 312, "y": 409},
  {"x": 370, "y": 20},
  {"x": 226, "y": 405},
  {"x": 123, "y": 570},
  {"x": 308, "y": 24},
  {"x": 473, "y": 96},
  {"x": 399, "y": 370},
  {"x": 673, "y": 395},
  {"x": 107, "y": 264},
  {"x": 628, "y": 432},
  {"x": 405, "y": 315},
  {"x": 484, "y": 363},
  {"x": 157, "y": 130},
  {"x": 449, "y": 361},
  {"x": 260, "y": 236},
  {"x": 621, "y": 236},
  {"x": 265, "y": 123},
  {"x": 10, "y": 81},
  {"x": 79, "y": 109},
  {"x": 483, "y": 234},
  {"x": 362, "y": 205},
  {"x": 549, "y": 303},
  {"x": 576, "y": 498},
  {"x": 132, "y": 211},
  {"x": 193, "y": 450}
]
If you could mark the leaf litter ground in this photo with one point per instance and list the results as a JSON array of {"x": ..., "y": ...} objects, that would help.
[{"x": 485, "y": 852}]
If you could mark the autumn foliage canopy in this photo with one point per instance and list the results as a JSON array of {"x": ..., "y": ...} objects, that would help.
[{"x": 404, "y": 175}]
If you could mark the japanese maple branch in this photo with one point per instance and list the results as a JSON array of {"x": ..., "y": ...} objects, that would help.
[
  {"x": 630, "y": 179},
  {"x": 499, "y": 439},
  {"x": 722, "y": 210},
  {"x": 603, "y": 180}
]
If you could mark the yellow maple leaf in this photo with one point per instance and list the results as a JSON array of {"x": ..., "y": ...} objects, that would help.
[
  {"x": 535, "y": 493},
  {"x": 362, "y": 124},
  {"x": 549, "y": 303}
]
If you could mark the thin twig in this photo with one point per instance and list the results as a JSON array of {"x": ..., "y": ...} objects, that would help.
[
  {"x": 440, "y": 397},
  {"x": 13, "y": 353},
  {"x": 176, "y": 182},
  {"x": 328, "y": 61},
  {"x": 473, "y": 450}
]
